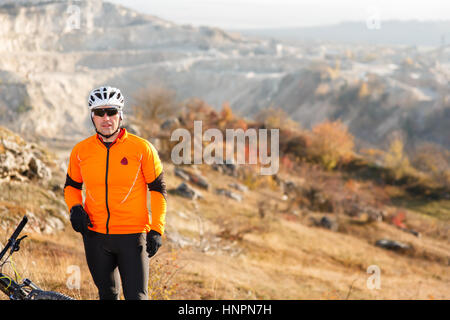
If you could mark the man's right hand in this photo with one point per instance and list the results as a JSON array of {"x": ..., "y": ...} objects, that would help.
[{"x": 79, "y": 219}]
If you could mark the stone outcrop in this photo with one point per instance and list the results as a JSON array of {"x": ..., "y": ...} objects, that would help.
[
  {"x": 185, "y": 191},
  {"x": 54, "y": 52},
  {"x": 20, "y": 160}
]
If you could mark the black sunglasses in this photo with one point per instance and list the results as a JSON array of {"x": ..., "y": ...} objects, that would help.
[{"x": 109, "y": 111}]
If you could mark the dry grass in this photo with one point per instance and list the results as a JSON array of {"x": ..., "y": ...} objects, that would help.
[
  {"x": 290, "y": 260},
  {"x": 279, "y": 256},
  {"x": 46, "y": 261}
]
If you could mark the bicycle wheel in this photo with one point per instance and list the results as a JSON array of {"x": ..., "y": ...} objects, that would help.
[{"x": 47, "y": 295}]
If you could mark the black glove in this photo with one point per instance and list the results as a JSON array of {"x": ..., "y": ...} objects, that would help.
[
  {"x": 79, "y": 219},
  {"x": 153, "y": 242}
]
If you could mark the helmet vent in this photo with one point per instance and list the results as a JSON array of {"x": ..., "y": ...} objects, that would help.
[{"x": 105, "y": 96}]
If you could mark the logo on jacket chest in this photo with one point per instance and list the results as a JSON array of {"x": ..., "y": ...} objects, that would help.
[{"x": 124, "y": 161}]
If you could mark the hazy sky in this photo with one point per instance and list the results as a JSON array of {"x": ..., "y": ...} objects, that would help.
[{"x": 229, "y": 14}]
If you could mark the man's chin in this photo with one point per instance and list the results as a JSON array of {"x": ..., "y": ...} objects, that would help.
[{"x": 107, "y": 132}]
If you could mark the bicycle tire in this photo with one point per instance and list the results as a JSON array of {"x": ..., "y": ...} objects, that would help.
[{"x": 47, "y": 295}]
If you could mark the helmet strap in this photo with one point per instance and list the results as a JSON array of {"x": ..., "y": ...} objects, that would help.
[{"x": 109, "y": 135}]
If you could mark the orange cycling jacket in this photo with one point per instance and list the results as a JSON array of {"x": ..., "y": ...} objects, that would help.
[{"x": 116, "y": 179}]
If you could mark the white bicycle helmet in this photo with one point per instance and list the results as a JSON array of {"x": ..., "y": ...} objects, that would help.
[{"x": 105, "y": 96}]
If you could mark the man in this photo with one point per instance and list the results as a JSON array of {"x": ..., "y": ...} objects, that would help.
[{"x": 116, "y": 168}]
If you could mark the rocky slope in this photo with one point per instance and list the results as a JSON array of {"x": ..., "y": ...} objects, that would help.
[
  {"x": 279, "y": 238},
  {"x": 31, "y": 180},
  {"x": 53, "y": 53}
]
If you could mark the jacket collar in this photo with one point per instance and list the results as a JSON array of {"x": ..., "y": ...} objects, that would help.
[{"x": 123, "y": 135}]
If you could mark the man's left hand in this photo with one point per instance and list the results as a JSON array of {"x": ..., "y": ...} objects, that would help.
[{"x": 153, "y": 242}]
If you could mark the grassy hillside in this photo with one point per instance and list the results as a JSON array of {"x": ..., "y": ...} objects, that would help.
[
  {"x": 237, "y": 254},
  {"x": 270, "y": 245}
]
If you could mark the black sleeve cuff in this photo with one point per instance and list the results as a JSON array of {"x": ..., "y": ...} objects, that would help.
[
  {"x": 73, "y": 183},
  {"x": 158, "y": 185}
]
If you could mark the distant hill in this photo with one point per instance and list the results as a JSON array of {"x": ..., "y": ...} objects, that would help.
[
  {"x": 50, "y": 61},
  {"x": 409, "y": 33}
]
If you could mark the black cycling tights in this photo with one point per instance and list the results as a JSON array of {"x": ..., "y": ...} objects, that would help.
[{"x": 111, "y": 257}]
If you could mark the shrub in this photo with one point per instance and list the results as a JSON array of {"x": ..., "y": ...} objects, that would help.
[
  {"x": 434, "y": 161},
  {"x": 152, "y": 105},
  {"x": 162, "y": 285},
  {"x": 295, "y": 144},
  {"x": 396, "y": 159},
  {"x": 275, "y": 118},
  {"x": 331, "y": 144}
]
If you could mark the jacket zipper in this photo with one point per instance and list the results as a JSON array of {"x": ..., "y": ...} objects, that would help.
[{"x": 106, "y": 188}]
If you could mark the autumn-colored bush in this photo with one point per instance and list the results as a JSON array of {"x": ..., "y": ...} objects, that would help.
[
  {"x": 250, "y": 177},
  {"x": 397, "y": 160},
  {"x": 163, "y": 269},
  {"x": 295, "y": 144},
  {"x": 226, "y": 116},
  {"x": 434, "y": 161},
  {"x": 228, "y": 120},
  {"x": 286, "y": 163},
  {"x": 151, "y": 106},
  {"x": 331, "y": 144},
  {"x": 196, "y": 109},
  {"x": 275, "y": 118}
]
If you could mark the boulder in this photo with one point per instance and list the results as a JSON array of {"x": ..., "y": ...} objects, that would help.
[
  {"x": 318, "y": 200},
  {"x": 230, "y": 169},
  {"x": 229, "y": 194},
  {"x": 20, "y": 160},
  {"x": 133, "y": 129},
  {"x": 52, "y": 224},
  {"x": 169, "y": 124},
  {"x": 184, "y": 190},
  {"x": 195, "y": 178},
  {"x": 181, "y": 173},
  {"x": 238, "y": 186},
  {"x": 37, "y": 169},
  {"x": 199, "y": 180},
  {"x": 288, "y": 186},
  {"x": 177, "y": 239},
  {"x": 364, "y": 213},
  {"x": 328, "y": 223},
  {"x": 393, "y": 245},
  {"x": 413, "y": 232}
]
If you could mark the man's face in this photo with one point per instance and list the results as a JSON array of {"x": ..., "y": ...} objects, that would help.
[{"x": 106, "y": 124}]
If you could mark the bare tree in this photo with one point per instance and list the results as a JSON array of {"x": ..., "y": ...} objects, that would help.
[{"x": 154, "y": 104}]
